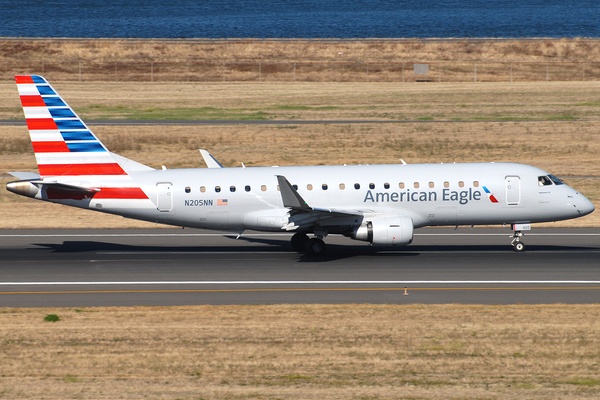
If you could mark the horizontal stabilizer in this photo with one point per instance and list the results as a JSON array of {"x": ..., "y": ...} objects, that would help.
[{"x": 25, "y": 175}]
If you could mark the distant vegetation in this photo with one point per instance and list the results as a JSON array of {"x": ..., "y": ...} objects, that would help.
[{"x": 302, "y": 60}]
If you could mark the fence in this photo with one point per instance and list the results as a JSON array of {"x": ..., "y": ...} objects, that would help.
[{"x": 305, "y": 71}]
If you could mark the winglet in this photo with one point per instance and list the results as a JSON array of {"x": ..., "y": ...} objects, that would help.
[
  {"x": 209, "y": 160},
  {"x": 291, "y": 198}
]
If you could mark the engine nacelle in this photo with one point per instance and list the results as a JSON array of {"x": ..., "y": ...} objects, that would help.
[{"x": 386, "y": 231}]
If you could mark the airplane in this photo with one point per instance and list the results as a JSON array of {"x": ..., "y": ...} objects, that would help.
[{"x": 379, "y": 204}]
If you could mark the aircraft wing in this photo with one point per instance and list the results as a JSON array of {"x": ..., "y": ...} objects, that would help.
[{"x": 302, "y": 215}]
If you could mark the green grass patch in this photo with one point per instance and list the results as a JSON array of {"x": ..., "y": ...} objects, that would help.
[
  {"x": 291, "y": 107},
  {"x": 589, "y": 104},
  {"x": 563, "y": 117},
  {"x": 51, "y": 318},
  {"x": 589, "y": 382}
]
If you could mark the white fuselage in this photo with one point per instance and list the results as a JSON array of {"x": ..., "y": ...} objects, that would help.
[{"x": 430, "y": 194}]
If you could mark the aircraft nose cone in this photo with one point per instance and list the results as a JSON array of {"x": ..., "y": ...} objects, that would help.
[{"x": 584, "y": 206}]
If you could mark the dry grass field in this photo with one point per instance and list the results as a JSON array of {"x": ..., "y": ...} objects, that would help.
[
  {"x": 302, "y": 60},
  {"x": 302, "y": 352}
]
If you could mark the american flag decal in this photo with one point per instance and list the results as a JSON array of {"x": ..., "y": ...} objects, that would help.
[{"x": 222, "y": 202}]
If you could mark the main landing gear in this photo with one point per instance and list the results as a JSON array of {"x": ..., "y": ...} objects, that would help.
[
  {"x": 517, "y": 243},
  {"x": 312, "y": 246}
]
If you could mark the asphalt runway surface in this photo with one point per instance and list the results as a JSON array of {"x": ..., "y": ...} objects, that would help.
[{"x": 79, "y": 268}]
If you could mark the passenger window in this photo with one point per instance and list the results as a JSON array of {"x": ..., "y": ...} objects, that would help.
[
  {"x": 371, "y": 186},
  {"x": 309, "y": 187},
  {"x": 401, "y": 185},
  {"x": 232, "y": 189},
  {"x": 263, "y": 188},
  {"x": 342, "y": 186},
  {"x": 386, "y": 185},
  {"x": 324, "y": 186},
  {"x": 417, "y": 185},
  {"x": 202, "y": 189},
  {"x": 475, "y": 183},
  {"x": 357, "y": 186},
  {"x": 188, "y": 189},
  {"x": 431, "y": 185},
  {"x": 248, "y": 188},
  {"x": 461, "y": 184},
  {"x": 446, "y": 184},
  {"x": 217, "y": 189}
]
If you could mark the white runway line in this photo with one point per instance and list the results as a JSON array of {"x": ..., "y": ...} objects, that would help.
[{"x": 221, "y": 283}]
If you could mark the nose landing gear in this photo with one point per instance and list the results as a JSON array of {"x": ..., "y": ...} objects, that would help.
[{"x": 517, "y": 243}]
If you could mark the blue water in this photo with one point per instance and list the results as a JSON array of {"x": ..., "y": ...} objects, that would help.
[{"x": 300, "y": 18}]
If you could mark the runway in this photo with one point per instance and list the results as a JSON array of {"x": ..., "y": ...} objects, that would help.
[{"x": 79, "y": 268}]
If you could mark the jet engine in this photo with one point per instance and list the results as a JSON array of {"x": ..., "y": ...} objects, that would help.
[{"x": 385, "y": 231}]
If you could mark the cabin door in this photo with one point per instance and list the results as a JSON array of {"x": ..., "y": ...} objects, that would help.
[
  {"x": 513, "y": 190},
  {"x": 164, "y": 192}
]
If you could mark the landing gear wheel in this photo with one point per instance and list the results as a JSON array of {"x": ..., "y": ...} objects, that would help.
[
  {"x": 299, "y": 242},
  {"x": 519, "y": 246},
  {"x": 516, "y": 243},
  {"x": 315, "y": 247}
]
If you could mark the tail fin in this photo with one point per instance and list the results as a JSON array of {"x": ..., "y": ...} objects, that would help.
[{"x": 62, "y": 142}]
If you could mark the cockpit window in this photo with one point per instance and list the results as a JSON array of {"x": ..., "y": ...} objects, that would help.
[
  {"x": 544, "y": 181},
  {"x": 548, "y": 180},
  {"x": 556, "y": 180}
]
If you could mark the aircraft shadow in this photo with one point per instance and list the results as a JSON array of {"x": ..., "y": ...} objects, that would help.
[
  {"x": 334, "y": 252},
  {"x": 92, "y": 246}
]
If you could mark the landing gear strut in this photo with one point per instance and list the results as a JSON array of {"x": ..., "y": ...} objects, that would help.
[{"x": 517, "y": 243}]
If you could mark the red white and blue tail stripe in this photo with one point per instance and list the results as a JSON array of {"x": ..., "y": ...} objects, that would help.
[
  {"x": 73, "y": 163},
  {"x": 62, "y": 142}
]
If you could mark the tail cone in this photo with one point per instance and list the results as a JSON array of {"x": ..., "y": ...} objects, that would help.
[{"x": 24, "y": 188}]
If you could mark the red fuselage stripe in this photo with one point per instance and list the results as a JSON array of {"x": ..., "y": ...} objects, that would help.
[
  {"x": 80, "y": 169},
  {"x": 120, "y": 193}
]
